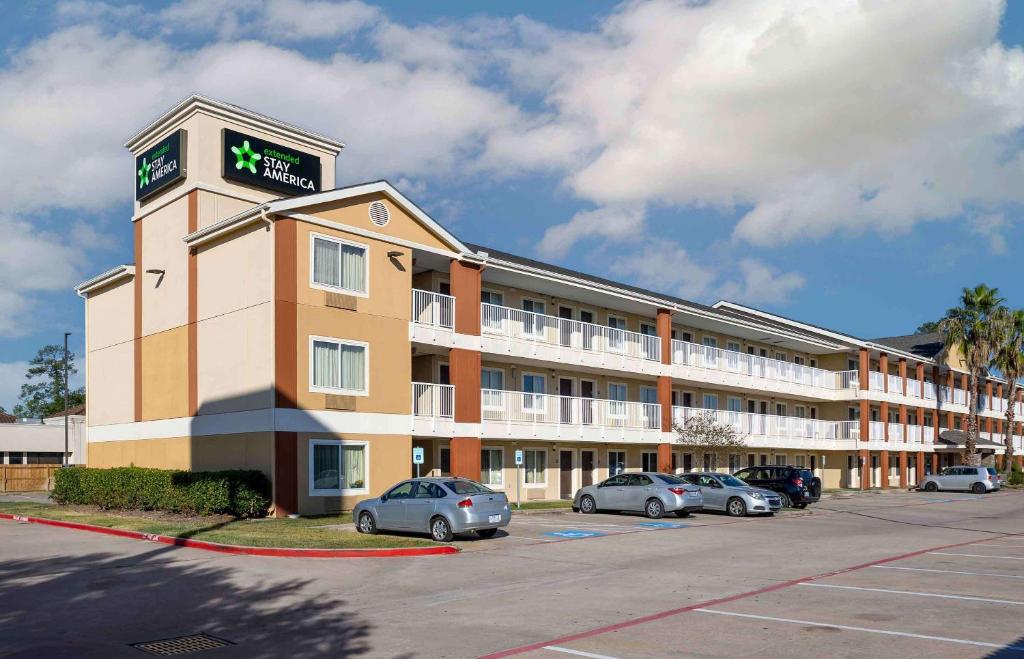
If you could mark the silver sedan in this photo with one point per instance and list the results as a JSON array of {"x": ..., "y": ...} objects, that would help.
[
  {"x": 653, "y": 493},
  {"x": 441, "y": 507},
  {"x": 731, "y": 495}
]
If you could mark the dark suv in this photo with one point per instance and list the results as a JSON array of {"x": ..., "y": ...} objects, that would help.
[{"x": 797, "y": 487}]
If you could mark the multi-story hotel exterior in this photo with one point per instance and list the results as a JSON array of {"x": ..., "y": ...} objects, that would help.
[{"x": 321, "y": 335}]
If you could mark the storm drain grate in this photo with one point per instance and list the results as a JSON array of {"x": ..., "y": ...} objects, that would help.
[{"x": 170, "y": 647}]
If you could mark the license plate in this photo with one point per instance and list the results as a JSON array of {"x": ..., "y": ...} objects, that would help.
[{"x": 493, "y": 519}]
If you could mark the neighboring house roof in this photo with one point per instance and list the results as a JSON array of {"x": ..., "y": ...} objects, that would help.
[
  {"x": 8, "y": 418},
  {"x": 927, "y": 345},
  {"x": 77, "y": 410},
  {"x": 958, "y": 439}
]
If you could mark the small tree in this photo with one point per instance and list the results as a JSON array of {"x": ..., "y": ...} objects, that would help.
[
  {"x": 1009, "y": 360},
  {"x": 703, "y": 434},
  {"x": 43, "y": 394}
]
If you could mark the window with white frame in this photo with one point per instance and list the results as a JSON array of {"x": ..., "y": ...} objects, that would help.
[
  {"x": 492, "y": 382},
  {"x": 799, "y": 461},
  {"x": 711, "y": 401},
  {"x": 616, "y": 462},
  {"x": 338, "y": 264},
  {"x": 649, "y": 461},
  {"x": 710, "y": 462},
  {"x": 781, "y": 460},
  {"x": 733, "y": 346},
  {"x": 491, "y": 462},
  {"x": 616, "y": 400},
  {"x": 616, "y": 333},
  {"x": 338, "y": 366},
  {"x": 337, "y": 467},
  {"x": 533, "y": 392},
  {"x": 734, "y": 462},
  {"x": 734, "y": 404},
  {"x": 535, "y": 463},
  {"x": 797, "y": 359},
  {"x": 492, "y": 318}
]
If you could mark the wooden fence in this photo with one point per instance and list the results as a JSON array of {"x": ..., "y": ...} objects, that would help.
[{"x": 26, "y": 478}]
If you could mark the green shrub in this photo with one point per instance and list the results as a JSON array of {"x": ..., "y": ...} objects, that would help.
[
  {"x": 241, "y": 493},
  {"x": 1016, "y": 475}
]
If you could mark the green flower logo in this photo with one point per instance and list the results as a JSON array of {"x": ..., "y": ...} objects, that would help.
[
  {"x": 246, "y": 157},
  {"x": 144, "y": 173}
]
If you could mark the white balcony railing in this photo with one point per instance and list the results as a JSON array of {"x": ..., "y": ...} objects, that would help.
[
  {"x": 913, "y": 388},
  {"x": 876, "y": 430},
  {"x": 876, "y": 381},
  {"x": 563, "y": 332},
  {"x": 847, "y": 429},
  {"x": 520, "y": 407},
  {"x": 895, "y": 432},
  {"x": 763, "y": 425},
  {"x": 695, "y": 354},
  {"x": 960, "y": 396},
  {"x": 433, "y": 401},
  {"x": 848, "y": 379},
  {"x": 929, "y": 390},
  {"x": 433, "y": 309},
  {"x": 895, "y": 384}
]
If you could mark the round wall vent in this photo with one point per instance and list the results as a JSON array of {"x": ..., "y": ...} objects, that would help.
[{"x": 379, "y": 214}]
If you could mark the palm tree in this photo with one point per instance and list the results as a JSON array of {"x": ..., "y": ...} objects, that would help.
[
  {"x": 972, "y": 329},
  {"x": 1009, "y": 359}
]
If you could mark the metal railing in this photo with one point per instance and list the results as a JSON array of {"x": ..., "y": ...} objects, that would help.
[
  {"x": 522, "y": 325},
  {"x": 762, "y": 425},
  {"x": 433, "y": 309},
  {"x": 876, "y": 381},
  {"x": 730, "y": 361},
  {"x": 435, "y": 402},
  {"x": 848, "y": 379},
  {"x": 521, "y": 407},
  {"x": 895, "y": 432},
  {"x": 876, "y": 430}
]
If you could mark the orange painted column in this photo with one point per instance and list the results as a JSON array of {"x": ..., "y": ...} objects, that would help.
[
  {"x": 884, "y": 464},
  {"x": 663, "y": 325},
  {"x": 903, "y": 374},
  {"x": 286, "y": 380},
  {"x": 919, "y": 464},
  {"x": 883, "y": 366},
  {"x": 920, "y": 379},
  {"x": 903, "y": 469},
  {"x": 988, "y": 394},
  {"x": 951, "y": 383},
  {"x": 935, "y": 463},
  {"x": 863, "y": 455},
  {"x": 464, "y": 367},
  {"x": 903, "y": 454}
]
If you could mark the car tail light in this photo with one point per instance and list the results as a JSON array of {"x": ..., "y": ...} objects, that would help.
[
  {"x": 799, "y": 482},
  {"x": 677, "y": 490},
  {"x": 465, "y": 503}
]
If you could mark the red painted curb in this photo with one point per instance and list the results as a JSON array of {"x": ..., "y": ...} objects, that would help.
[
  {"x": 721, "y": 600},
  {"x": 280, "y": 552}
]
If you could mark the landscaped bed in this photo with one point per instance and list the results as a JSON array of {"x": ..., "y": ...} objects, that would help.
[{"x": 306, "y": 532}]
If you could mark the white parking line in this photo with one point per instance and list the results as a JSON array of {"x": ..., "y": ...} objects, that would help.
[
  {"x": 578, "y": 653},
  {"x": 868, "y": 630},
  {"x": 911, "y": 592},
  {"x": 973, "y": 574},
  {"x": 945, "y": 553}
]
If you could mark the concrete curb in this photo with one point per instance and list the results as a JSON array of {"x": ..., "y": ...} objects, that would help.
[
  {"x": 278, "y": 552},
  {"x": 539, "y": 511}
]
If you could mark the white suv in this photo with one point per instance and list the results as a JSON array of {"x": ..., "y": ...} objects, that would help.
[{"x": 974, "y": 479}]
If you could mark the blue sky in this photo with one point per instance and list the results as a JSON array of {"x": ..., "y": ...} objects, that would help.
[{"x": 852, "y": 167}]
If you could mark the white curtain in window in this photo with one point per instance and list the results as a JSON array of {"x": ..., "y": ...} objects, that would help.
[
  {"x": 326, "y": 364},
  {"x": 535, "y": 466},
  {"x": 325, "y": 262},
  {"x": 354, "y": 466},
  {"x": 490, "y": 466},
  {"x": 353, "y": 368},
  {"x": 353, "y": 268},
  {"x": 325, "y": 467}
]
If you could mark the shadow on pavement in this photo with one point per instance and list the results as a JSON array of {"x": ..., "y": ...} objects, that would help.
[{"x": 97, "y": 604}]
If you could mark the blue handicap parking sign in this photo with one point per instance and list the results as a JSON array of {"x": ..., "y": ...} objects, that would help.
[
  {"x": 662, "y": 525},
  {"x": 573, "y": 533}
]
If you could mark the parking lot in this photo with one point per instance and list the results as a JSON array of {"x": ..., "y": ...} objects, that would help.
[{"x": 900, "y": 574}]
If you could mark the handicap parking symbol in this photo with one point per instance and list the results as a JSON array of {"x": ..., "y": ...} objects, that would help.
[
  {"x": 574, "y": 534},
  {"x": 662, "y": 525}
]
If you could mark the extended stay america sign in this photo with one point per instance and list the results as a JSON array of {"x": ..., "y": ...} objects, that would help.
[
  {"x": 160, "y": 165},
  {"x": 253, "y": 161}
]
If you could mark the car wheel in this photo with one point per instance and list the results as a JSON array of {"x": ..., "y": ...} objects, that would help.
[
  {"x": 930, "y": 486},
  {"x": 682, "y": 513},
  {"x": 366, "y": 524},
  {"x": 440, "y": 530},
  {"x": 654, "y": 508},
  {"x": 588, "y": 505},
  {"x": 786, "y": 501},
  {"x": 486, "y": 533},
  {"x": 736, "y": 507},
  {"x": 978, "y": 488}
]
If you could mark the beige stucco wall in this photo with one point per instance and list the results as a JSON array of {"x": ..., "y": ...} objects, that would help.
[
  {"x": 235, "y": 272},
  {"x": 235, "y": 360},
  {"x": 169, "y": 453},
  {"x": 110, "y": 383},
  {"x": 110, "y": 316},
  {"x": 165, "y": 374},
  {"x": 354, "y": 212},
  {"x": 165, "y": 297},
  {"x": 214, "y": 207},
  {"x": 389, "y": 460},
  {"x": 237, "y": 451}
]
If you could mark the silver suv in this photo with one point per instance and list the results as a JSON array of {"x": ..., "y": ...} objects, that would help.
[{"x": 973, "y": 479}]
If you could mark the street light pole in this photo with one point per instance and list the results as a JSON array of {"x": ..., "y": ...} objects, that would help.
[{"x": 65, "y": 460}]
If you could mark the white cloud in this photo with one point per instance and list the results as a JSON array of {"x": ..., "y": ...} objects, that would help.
[
  {"x": 669, "y": 267},
  {"x": 821, "y": 117},
  {"x": 610, "y": 222},
  {"x": 993, "y": 227},
  {"x": 12, "y": 376}
]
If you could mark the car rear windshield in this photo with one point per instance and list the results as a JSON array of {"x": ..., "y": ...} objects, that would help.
[
  {"x": 991, "y": 470},
  {"x": 671, "y": 480},
  {"x": 466, "y": 487}
]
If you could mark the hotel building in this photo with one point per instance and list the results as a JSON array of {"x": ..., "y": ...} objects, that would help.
[{"x": 320, "y": 335}]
